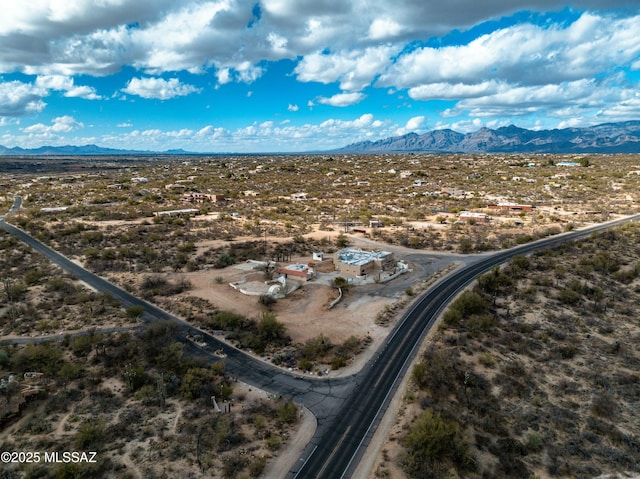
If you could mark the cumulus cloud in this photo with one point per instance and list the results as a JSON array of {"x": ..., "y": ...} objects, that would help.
[
  {"x": 527, "y": 68},
  {"x": 61, "y": 124},
  {"x": 158, "y": 88},
  {"x": 412, "y": 125},
  {"x": 343, "y": 99},
  {"x": 354, "y": 69},
  {"x": 524, "y": 54},
  {"x": 66, "y": 84},
  {"x": 293, "y": 107},
  {"x": 20, "y": 99}
]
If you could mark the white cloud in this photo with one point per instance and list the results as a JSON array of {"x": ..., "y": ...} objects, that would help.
[
  {"x": 248, "y": 73},
  {"x": 158, "y": 88},
  {"x": 412, "y": 125},
  {"x": 66, "y": 84},
  {"x": 293, "y": 107},
  {"x": 20, "y": 99},
  {"x": 342, "y": 99},
  {"x": 224, "y": 76},
  {"x": 258, "y": 136},
  {"x": 524, "y": 54},
  {"x": 61, "y": 124},
  {"x": 86, "y": 92},
  {"x": 54, "y": 82},
  {"x": 445, "y": 91},
  {"x": 354, "y": 69},
  {"x": 384, "y": 28}
]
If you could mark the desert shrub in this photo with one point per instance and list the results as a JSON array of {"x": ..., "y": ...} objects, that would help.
[
  {"x": 226, "y": 320},
  {"x": 568, "y": 296},
  {"x": 91, "y": 435},
  {"x": 266, "y": 300},
  {"x": 305, "y": 364},
  {"x": 467, "y": 304},
  {"x": 487, "y": 359},
  {"x": 604, "y": 405},
  {"x": 271, "y": 330},
  {"x": 316, "y": 348},
  {"x": 433, "y": 446},
  {"x": 135, "y": 311},
  {"x": 224, "y": 260},
  {"x": 288, "y": 413},
  {"x": 200, "y": 383}
]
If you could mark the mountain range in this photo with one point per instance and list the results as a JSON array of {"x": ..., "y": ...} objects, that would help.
[
  {"x": 621, "y": 137},
  {"x": 84, "y": 150},
  {"x": 605, "y": 138}
]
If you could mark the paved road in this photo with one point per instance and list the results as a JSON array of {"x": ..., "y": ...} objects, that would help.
[
  {"x": 335, "y": 450},
  {"x": 321, "y": 396},
  {"x": 348, "y": 408}
]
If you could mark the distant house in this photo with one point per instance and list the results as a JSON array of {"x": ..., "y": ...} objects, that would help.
[
  {"x": 468, "y": 216},
  {"x": 299, "y": 196},
  {"x": 140, "y": 179},
  {"x": 194, "y": 197},
  {"x": 55, "y": 209},
  {"x": 185, "y": 212},
  {"x": 174, "y": 186},
  {"x": 511, "y": 207},
  {"x": 567, "y": 163}
]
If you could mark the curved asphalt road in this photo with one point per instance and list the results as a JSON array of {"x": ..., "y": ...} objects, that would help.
[
  {"x": 337, "y": 446},
  {"x": 348, "y": 409}
]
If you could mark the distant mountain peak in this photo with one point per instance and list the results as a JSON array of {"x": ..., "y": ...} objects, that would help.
[{"x": 604, "y": 138}]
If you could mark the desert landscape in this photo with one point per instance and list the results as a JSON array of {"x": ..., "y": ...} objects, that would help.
[{"x": 142, "y": 408}]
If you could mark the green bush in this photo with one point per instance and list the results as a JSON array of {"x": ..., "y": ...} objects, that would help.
[
  {"x": 288, "y": 413},
  {"x": 467, "y": 304},
  {"x": 433, "y": 446},
  {"x": 135, "y": 311},
  {"x": 224, "y": 260}
]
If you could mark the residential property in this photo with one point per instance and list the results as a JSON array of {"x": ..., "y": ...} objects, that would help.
[
  {"x": 303, "y": 272},
  {"x": 357, "y": 262},
  {"x": 185, "y": 212},
  {"x": 194, "y": 197},
  {"x": 511, "y": 207},
  {"x": 468, "y": 216}
]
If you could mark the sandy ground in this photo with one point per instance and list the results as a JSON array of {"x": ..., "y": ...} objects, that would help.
[{"x": 305, "y": 311}]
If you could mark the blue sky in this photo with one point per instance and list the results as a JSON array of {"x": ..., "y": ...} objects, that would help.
[{"x": 301, "y": 75}]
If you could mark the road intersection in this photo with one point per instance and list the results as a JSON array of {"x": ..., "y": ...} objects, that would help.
[{"x": 348, "y": 408}]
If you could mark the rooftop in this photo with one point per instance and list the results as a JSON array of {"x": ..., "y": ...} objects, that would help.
[{"x": 358, "y": 257}]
